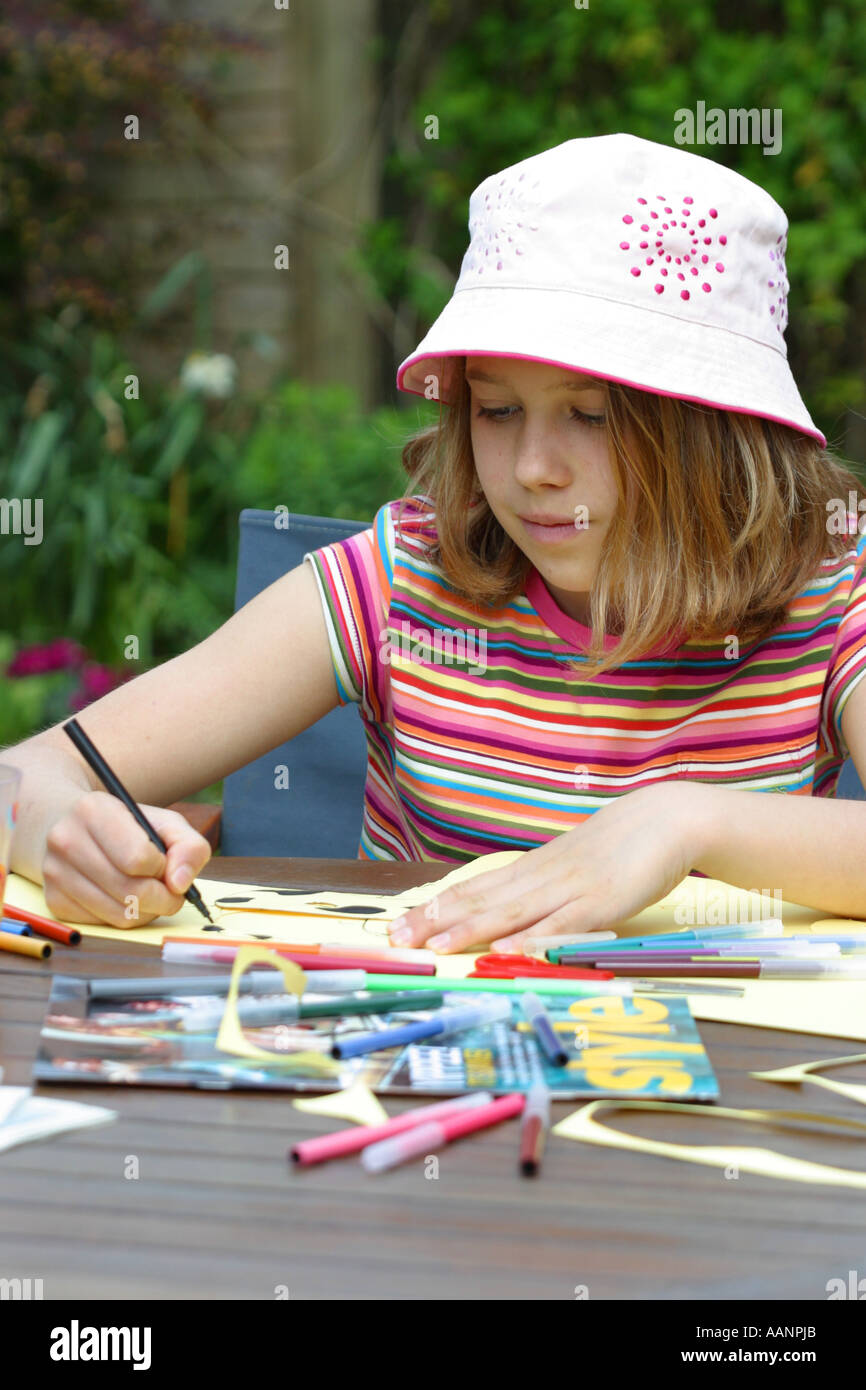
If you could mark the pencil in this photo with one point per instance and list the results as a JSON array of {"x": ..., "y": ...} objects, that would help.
[
  {"x": 25, "y": 945},
  {"x": 112, "y": 784}
]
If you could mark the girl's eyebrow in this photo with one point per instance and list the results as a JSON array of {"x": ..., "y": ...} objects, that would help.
[{"x": 589, "y": 383}]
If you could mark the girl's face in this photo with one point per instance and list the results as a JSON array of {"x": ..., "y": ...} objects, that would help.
[{"x": 542, "y": 456}]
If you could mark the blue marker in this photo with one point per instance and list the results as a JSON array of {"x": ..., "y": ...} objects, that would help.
[
  {"x": 16, "y": 928},
  {"x": 443, "y": 1021},
  {"x": 538, "y": 1016},
  {"x": 700, "y": 936}
]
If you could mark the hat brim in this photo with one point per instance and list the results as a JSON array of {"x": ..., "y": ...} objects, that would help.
[{"x": 692, "y": 361}]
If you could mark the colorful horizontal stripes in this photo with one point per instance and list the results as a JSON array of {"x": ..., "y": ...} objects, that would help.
[{"x": 480, "y": 738}]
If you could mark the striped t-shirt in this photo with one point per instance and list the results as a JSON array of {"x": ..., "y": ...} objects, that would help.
[{"x": 481, "y": 739}]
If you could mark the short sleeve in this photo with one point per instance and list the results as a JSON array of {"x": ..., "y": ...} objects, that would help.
[
  {"x": 847, "y": 665},
  {"x": 354, "y": 578}
]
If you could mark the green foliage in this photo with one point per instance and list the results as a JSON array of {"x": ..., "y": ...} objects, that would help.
[
  {"x": 518, "y": 76},
  {"x": 141, "y": 496},
  {"x": 314, "y": 451}
]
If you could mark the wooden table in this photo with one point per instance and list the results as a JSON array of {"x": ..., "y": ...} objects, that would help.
[{"x": 217, "y": 1211}]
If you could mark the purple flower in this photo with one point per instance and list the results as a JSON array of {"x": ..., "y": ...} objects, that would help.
[
  {"x": 61, "y": 655},
  {"x": 96, "y": 681}
]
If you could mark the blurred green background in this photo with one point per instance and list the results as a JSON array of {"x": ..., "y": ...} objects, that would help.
[{"x": 145, "y": 487}]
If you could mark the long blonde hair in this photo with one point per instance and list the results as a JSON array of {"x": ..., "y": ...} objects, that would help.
[{"x": 722, "y": 519}]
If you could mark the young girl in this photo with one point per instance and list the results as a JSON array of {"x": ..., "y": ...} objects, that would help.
[{"x": 624, "y": 593}]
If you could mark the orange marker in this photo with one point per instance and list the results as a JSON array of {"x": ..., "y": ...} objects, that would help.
[{"x": 25, "y": 945}]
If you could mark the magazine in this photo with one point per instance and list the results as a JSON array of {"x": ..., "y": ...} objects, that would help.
[{"x": 615, "y": 1046}]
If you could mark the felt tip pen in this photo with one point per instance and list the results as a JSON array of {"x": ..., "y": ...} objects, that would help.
[
  {"x": 112, "y": 784},
  {"x": 424, "y": 1139},
  {"x": 260, "y": 1013},
  {"x": 535, "y": 945},
  {"x": 251, "y": 982},
  {"x": 491, "y": 985},
  {"x": 575, "y": 989},
  {"x": 24, "y": 945},
  {"x": 451, "y": 1020},
  {"x": 700, "y": 935},
  {"x": 762, "y": 970},
  {"x": 533, "y": 1129},
  {"x": 543, "y": 1028},
  {"x": 695, "y": 956},
  {"x": 358, "y": 1137},
  {"x": 790, "y": 946},
  {"x": 15, "y": 928},
  {"x": 43, "y": 926},
  {"x": 225, "y": 953},
  {"x": 376, "y": 949}
]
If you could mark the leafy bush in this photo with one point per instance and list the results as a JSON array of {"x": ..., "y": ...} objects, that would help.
[
  {"x": 141, "y": 499},
  {"x": 512, "y": 78}
]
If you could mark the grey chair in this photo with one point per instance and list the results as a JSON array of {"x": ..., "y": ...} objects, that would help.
[
  {"x": 849, "y": 787},
  {"x": 319, "y": 815}
]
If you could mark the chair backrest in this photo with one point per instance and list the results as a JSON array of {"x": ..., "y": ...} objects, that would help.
[
  {"x": 849, "y": 787},
  {"x": 319, "y": 814}
]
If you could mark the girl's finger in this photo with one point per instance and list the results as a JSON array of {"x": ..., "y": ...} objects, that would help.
[
  {"x": 581, "y": 914},
  {"x": 92, "y": 863},
  {"x": 457, "y": 905},
  {"x": 118, "y": 839},
  {"x": 186, "y": 849},
  {"x": 62, "y": 880},
  {"x": 509, "y": 917}
]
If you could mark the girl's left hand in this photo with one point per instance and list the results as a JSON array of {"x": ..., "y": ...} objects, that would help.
[{"x": 622, "y": 858}]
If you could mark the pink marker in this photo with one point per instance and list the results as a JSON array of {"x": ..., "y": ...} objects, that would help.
[
  {"x": 350, "y": 1141},
  {"x": 426, "y": 1137}
]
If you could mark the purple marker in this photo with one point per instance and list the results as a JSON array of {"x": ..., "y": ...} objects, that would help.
[{"x": 538, "y": 1016}]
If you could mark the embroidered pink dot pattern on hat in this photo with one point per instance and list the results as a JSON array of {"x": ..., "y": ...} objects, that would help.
[
  {"x": 677, "y": 241},
  {"x": 779, "y": 286},
  {"x": 629, "y": 260},
  {"x": 500, "y": 227}
]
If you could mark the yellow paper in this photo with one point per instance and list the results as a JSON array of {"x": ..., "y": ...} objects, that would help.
[
  {"x": 357, "y": 1103},
  {"x": 669, "y": 914},
  {"x": 766, "y": 1163},
  {"x": 314, "y": 926},
  {"x": 230, "y": 1037},
  {"x": 830, "y": 1008},
  {"x": 833, "y": 1008},
  {"x": 804, "y": 1071}
]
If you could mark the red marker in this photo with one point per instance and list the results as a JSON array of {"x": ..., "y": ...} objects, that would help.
[
  {"x": 351, "y": 1141},
  {"x": 43, "y": 926},
  {"x": 422, "y": 1139},
  {"x": 533, "y": 1131}
]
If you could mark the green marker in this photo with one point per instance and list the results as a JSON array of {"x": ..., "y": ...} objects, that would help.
[{"x": 576, "y": 988}]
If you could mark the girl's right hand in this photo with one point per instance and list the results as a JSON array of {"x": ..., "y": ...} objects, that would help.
[{"x": 100, "y": 866}]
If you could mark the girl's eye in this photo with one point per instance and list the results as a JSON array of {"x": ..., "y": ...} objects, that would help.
[{"x": 501, "y": 413}]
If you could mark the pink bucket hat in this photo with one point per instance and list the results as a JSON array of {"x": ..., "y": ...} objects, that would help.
[{"x": 633, "y": 261}]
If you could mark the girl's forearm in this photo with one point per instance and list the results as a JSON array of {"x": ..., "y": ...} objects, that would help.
[
  {"x": 812, "y": 850},
  {"x": 51, "y": 781}
]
